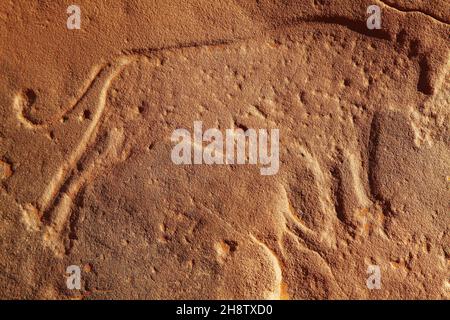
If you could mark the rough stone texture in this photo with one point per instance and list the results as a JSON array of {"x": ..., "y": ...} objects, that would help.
[{"x": 86, "y": 176}]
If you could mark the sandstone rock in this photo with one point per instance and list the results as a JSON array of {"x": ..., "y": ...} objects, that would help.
[{"x": 85, "y": 142}]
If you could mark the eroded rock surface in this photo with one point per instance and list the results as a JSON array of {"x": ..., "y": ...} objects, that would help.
[{"x": 85, "y": 143}]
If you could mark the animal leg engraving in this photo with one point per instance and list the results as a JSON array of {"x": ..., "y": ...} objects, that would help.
[{"x": 54, "y": 206}]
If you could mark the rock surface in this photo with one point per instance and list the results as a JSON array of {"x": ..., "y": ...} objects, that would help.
[{"x": 87, "y": 179}]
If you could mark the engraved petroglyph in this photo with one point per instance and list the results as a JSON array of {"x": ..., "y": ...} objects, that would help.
[
  {"x": 347, "y": 193},
  {"x": 55, "y": 204}
]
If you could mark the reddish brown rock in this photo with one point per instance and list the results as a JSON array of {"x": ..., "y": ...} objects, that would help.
[{"x": 85, "y": 143}]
